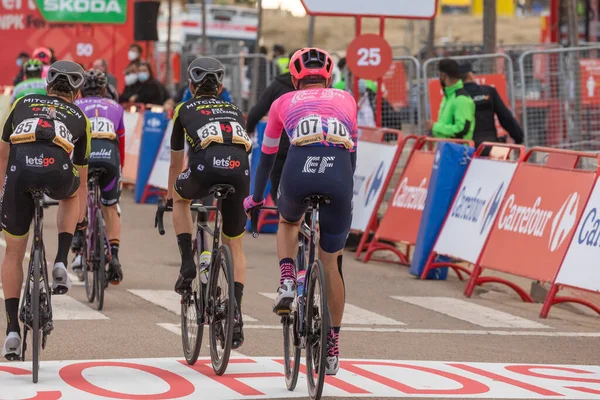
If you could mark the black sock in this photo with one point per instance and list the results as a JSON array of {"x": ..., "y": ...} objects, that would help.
[
  {"x": 114, "y": 247},
  {"x": 184, "y": 241},
  {"x": 64, "y": 245},
  {"x": 239, "y": 293},
  {"x": 12, "y": 315}
]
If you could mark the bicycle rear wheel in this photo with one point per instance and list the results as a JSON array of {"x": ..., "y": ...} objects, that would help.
[
  {"x": 35, "y": 311},
  {"x": 192, "y": 309},
  {"x": 100, "y": 260},
  {"x": 88, "y": 270},
  {"x": 317, "y": 326},
  {"x": 221, "y": 304},
  {"x": 291, "y": 351}
]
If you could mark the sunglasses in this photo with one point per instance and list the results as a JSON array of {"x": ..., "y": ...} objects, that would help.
[
  {"x": 198, "y": 74},
  {"x": 75, "y": 79}
]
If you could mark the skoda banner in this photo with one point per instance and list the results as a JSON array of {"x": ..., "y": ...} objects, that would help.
[{"x": 84, "y": 11}]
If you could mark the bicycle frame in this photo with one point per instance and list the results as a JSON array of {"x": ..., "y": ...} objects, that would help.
[{"x": 93, "y": 208}]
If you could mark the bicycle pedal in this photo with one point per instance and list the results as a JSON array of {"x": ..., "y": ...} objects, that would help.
[{"x": 282, "y": 313}]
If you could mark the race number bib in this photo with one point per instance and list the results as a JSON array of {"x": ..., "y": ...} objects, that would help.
[
  {"x": 103, "y": 128},
  {"x": 240, "y": 136},
  {"x": 210, "y": 133},
  {"x": 63, "y": 137},
  {"x": 308, "y": 130},
  {"x": 25, "y": 131},
  {"x": 338, "y": 133}
]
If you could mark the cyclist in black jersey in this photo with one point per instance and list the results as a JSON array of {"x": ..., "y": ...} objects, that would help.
[
  {"x": 218, "y": 154},
  {"x": 40, "y": 134}
]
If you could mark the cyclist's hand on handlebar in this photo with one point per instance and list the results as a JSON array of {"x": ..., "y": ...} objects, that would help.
[
  {"x": 169, "y": 205},
  {"x": 81, "y": 226},
  {"x": 250, "y": 204}
]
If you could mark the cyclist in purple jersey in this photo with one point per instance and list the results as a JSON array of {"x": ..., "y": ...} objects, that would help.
[{"x": 108, "y": 145}]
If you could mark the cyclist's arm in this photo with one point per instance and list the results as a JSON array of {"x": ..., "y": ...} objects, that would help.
[
  {"x": 270, "y": 145},
  {"x": 5, "y": 142},
  {"x": 81, "y": 154},
  {"x": 177, "y": 152},
  {"x": 354, "y": 136},
  {"x": 121, "y": 135}
]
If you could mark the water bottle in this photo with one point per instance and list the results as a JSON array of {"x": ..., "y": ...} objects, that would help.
[
  {"x": 300, "y": 282},
  {"x": 204, "y": 264}
]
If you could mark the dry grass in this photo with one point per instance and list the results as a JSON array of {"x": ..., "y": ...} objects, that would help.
[{"x": 334, "y": 33}]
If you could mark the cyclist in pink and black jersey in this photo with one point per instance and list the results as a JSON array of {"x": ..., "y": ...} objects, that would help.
[{"x": 321, "y": 124}]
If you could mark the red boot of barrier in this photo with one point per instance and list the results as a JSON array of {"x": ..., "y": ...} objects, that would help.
[{"x": 537, "y": 218}]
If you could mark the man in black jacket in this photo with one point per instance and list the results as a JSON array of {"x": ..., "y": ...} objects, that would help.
[
  {"x": 280, "y": 86},
  {"x": 487, "y": 104}
]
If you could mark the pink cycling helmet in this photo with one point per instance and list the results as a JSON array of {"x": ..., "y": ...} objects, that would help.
[
  {"x": 311, "y": 61},
  {"x": 43, "y": 54}
]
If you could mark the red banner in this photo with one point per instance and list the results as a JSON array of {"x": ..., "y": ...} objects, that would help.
[
  {"x": 590, "y": 81},
  {"x": 536, "y": 221}
]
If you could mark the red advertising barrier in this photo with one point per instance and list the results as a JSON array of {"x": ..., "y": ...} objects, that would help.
[
  {"x": 536, "y": 220},
  {"x": 400, "y": 223}
]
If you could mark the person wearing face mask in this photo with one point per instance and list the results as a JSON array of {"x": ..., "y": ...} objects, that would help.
[
  {"x": 150, "y": 90},
  {"x": 132, "y": 85},
  {"x": 456, "y": 118},
  {"x": 135, "y": 53},
  {"x": 21, "y": 60}
]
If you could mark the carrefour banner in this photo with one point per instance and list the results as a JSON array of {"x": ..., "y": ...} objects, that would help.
[
  {"x": 373, "y": 164},
  {"x": 475, "y": 207},
  {"x": 580, "y": 266},
  {"x": 85, "y": 11}
]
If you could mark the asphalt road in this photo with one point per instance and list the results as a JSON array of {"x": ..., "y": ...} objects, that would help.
[{"x": 427, "y": 340}]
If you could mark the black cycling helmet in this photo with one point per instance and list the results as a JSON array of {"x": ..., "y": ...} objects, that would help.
[
  {"x": 204, "y": 67},
  {"x": 95, "y": 81},
  {"x": 66, "y": 74}
]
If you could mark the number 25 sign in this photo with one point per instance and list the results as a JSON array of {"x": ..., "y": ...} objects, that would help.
[{"x": 369, "y": 56}]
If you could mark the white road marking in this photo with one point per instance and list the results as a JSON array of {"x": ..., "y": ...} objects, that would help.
[
  {"x": 176, "y": 329},
  {"x": 470, "y": 312},
  {"x": 354, "y": 315},
  {"x": 66, "y": 308},
  {"x": 446, "y": 331},
  {"x": 169, "y": 300}
]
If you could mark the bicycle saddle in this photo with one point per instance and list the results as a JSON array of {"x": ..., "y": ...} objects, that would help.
[
  {"x": 97, "y": 172},
  {"x": 221, "y": 191},
  {"x": 317, "y": 199}
]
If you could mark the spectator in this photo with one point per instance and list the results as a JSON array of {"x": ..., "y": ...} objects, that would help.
[
  {"x": 21, "y": 59},
  {"x": 111, "y": 88},
  {"x": 135, "y": 53},
  {"x": 150, "y": 90},
  {"x": 52, "y": 56},
  {"x": 132, "y": 84},
  {"x": 264, "y": 65},
  {"x": 487, "y": 104},
  {"x": 390, "y": 118},
  {"x": 456, "y": 118},
  {"x": 341, "y": 84},
  {"x": 33, "y": 83},
  {"x": 281, "y": 60},
  {"x": 45, "y": 56}
]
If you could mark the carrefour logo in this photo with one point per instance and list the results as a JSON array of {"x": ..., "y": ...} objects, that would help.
[
  {"x": 153, "y": 122},
  {"x": 589, "y": 234},
  {"x": 471, "y": 207},
  {"x": 374, "y": 183},
  {"x": 563, "y": 221},
  {"x": 492, "y": 208}
]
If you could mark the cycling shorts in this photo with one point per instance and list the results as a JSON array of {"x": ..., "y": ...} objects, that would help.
[
  {"x": 219, "y": 164},
  {"x": 325, "y": 171},
  {"x": 105, "y": 155},
  {"x": 34, "y": 166}
]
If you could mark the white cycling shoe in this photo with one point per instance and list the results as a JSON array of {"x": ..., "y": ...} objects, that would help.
[
  {"x": 12, "y": 347},
  {"x": 285, "y": 297},
  {"x": 332, "y": 365},
  {"x": 61, "y": 282},
  {"x": 77, "y": 268}
]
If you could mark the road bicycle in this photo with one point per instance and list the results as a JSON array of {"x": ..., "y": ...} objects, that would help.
[
  {"x": 307, "y": 325},
  {"x": 95, "y": 253},
  {"x": 212, "y": 303},
  {"x": 36, "y": 306}
]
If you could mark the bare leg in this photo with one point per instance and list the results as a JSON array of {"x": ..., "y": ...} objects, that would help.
[
  {"x": 113, "y": 222},
  {"x": 287, "y": 239},
  {"x": 335, "y": 286},
  {"x": 239, "y": 259},
  {"x": 182, "y": 216},
  {"x": 12, "y": 266}
]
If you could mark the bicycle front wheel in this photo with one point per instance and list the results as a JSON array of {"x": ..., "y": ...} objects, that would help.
[
  {"x": 87, "y": 269},
  {"x": 35, "y": 311},
  {"x": 192, "y": 309},
  {"x": 291, "y": 351},
  {"x": 317, "y": 326},
  {"x": 100, "y": 260},
  {"x": 221, "y": 304}
]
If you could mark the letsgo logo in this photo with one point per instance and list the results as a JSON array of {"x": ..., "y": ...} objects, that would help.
[
  {"x": 411, "y": 197},
  {"x": 39, "y": 161},
  {"x": 225, "y": 163},
  {"x": 564, "y": 221}
]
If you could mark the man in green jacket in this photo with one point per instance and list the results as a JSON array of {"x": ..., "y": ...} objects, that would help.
[
  {"x": 456, "y": 119},
  {"x": 33, "y": 83}
]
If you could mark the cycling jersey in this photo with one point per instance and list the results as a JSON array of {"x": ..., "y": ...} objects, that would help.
[
  {"x": 206, "y": 120},
  {"x": 29, "y": 86},
  {"x": 106, "y": 118},
  {"x": 51, "y": 121}
]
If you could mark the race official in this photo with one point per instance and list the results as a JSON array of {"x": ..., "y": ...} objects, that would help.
[{"x": 487, "y": 104}]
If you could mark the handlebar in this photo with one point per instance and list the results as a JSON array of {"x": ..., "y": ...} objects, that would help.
[
  {"x": 254, "y": 213},
  {"x": 50, "y": 203},
  {"x": 158, "y": 219}
]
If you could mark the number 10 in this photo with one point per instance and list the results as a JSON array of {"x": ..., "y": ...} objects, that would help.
[{"x": 369, "y": 57}]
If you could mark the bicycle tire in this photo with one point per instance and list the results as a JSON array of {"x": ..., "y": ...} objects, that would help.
[
  {"x": 316, "y": 337},
  {"x": 221, "y": 311},
  {"x": 291, "y": 352},
  {"x": 191, "y": 345},
  {"x": 88, "y": 271},
  {"x": 100, "y": 267},
  {"x": 35, "y": 310}
]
